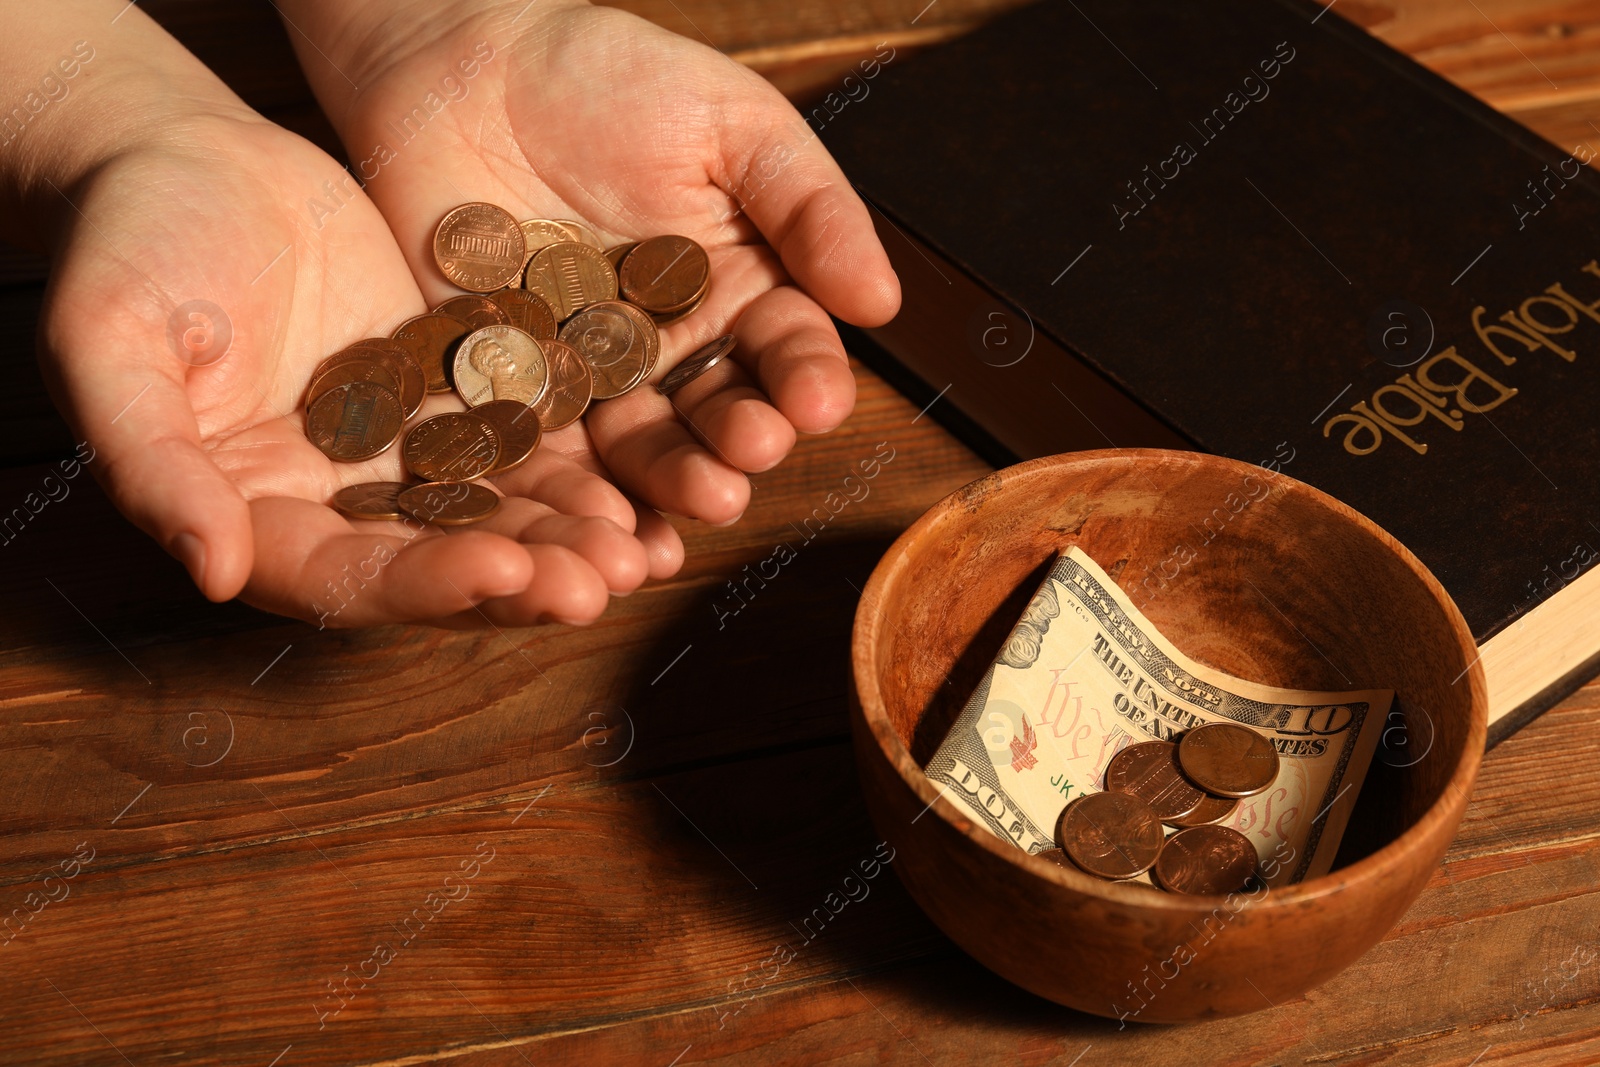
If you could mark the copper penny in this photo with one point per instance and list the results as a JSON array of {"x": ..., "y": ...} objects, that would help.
[
  {"x": 387, "y": 345},
  {"x": 617, "y": 253},
  {"x": 1055, "y": 856},
  {"x": 569, "y": 276},
  {"x": 615, "y": 347},
  {"x": 449, "y": 503},
  {"x": 703, "y": 359},
  {"x": 1211, "y": 810},
  {"x": 652, "y": 336},
  {"x": 399, "y": 374},
  {"x": 370, "y": 500},
  {"x": 571, "y": 386},
  {"x": 668, "y": 320},
  {"x": 334, "y": 372},
  {"x": 431, "y": 341},
  {"x": 1228, "y": 760},
  {"x": 581, "y": 232},
  {"x": 452, "y": 447},
  {"x": 479, "y": 247},
  {"x": 527, "y": 312},
  {"x": 355, "y": 421},
  {"x": 541, "y": 233},
  {"x": 518, "y": 427},
  {"x": 413, "y": 381},
  {"x": 499, "y": 363},
  {"x": 1110, "y": 835},
  {"x": 1150, "y": 772},
  {"x": 1206, "y": 860},
  {"x": 474, "y": 310},
  {"x": 665, "y": 274}
]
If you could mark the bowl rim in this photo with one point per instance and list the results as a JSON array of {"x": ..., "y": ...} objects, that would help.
[{"x": 867, "y": 629}]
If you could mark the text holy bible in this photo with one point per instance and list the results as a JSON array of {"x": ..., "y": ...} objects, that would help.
[{"x": 1249, "y": 227}]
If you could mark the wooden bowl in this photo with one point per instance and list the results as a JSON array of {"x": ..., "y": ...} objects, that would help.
[{"x": 1359, "y": 611}]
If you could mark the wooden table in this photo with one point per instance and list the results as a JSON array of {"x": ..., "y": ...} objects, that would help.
[{"x": 586, "y": 846}]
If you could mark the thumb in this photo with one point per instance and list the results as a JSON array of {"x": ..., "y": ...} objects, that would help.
[
  {"x": 792, "y": 190},
  {"x": 142, "y": 443}
]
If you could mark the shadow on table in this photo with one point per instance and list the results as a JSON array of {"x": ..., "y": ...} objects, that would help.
[
  {"x": 777, "y": 823},
  {"x": 79, "y": 578}
]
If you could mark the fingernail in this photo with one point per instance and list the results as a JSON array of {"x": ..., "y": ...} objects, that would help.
[
  {"x": 191, "y": 552},
  {"x": 730, "y": 522}
]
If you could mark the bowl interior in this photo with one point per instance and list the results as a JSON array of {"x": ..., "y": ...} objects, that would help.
[{"x": 1251, "y": 572}]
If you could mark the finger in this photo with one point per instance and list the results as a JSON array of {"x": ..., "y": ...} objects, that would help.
[
  {"x": 564, "y": 485},
  {"x": 315, "y": 565},
  {"x": 786, "y": 339},
  {"x": 662, "y": 545},
  {"x": 797, "y": 357},
  {"x": 722, "y": 408},
  {"x": 565, "y": 588},
  {"x": 725, "y": 410},
  {"x": 613, "y": 552},
  {"x": 140, "y": 430},
  {"x": 791, "y": 344},
  {"x": 653, "y": 457},
  {"x": 801, "y": 201},
  {"x": 572, "y": 441}
]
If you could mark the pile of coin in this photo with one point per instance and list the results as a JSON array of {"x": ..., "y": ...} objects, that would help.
[
  {"x": 1191, "y": 787},
  {"x": 552, "y": 321}
]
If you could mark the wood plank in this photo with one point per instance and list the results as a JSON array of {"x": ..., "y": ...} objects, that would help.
[
  {"x": 1566, "y": 126},
  {"x": 594, "y": 905},
  {"x": 1423, "y": 996},
  {"x": 376, "y": 725},
  {"x": 1515, "y": 55},
  {"x": 630, "y": 906},
  {"x": 946, "y": 1011}
]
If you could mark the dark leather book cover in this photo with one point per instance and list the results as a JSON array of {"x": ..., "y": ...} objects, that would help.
[{"x": 1248, "y": 227}]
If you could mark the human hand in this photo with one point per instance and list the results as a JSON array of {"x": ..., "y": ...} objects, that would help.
[
  {"x": 207, "y": 453},
  {"x": 570, "y": 111}
]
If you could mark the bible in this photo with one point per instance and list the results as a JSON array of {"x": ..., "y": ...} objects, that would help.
[{"x": 1250, "y": 228}]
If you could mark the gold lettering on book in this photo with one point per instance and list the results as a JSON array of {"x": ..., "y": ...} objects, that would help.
[{"x": 1448, "y": 386}]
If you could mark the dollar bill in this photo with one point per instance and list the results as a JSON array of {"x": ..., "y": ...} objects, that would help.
[{"x": 1084, "y": 674}]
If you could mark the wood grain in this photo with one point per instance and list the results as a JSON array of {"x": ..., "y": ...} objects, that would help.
[
  {"x": 563, "y": 890},
  {"x": 608, "y": 928}
]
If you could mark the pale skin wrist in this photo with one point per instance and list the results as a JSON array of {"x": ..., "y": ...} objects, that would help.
[
  {"x": 345, "y": 46},
  {"x": 93, "y": 81}
]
